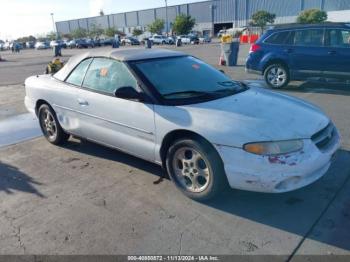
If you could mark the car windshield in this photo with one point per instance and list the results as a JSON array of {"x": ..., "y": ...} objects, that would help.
[{"x": 187, "y": 77}]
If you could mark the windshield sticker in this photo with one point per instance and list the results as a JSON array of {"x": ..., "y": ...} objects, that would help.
[
  {"x": 196, "y": 66},
  {"x": 104, "y": 72}
]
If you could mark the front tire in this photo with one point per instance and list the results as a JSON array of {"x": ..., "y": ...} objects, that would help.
[
  {"x": 50, "y": 126},
  {"x": 196, "y": 169},
  {"x": 276, "y": 76}
]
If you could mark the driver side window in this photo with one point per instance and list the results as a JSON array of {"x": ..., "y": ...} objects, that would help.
[{"x": 107, "y": 75}]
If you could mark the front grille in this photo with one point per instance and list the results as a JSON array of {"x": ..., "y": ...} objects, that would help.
[{"x": 323, "y": 138}]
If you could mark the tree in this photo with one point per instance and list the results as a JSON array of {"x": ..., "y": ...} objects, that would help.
[
  {"x": 312, "y": 16},
  {"x": 101, "y": 13},
  {"x": 67, "y": 36},
  {"x": 51, "y": 35},
  {"x": 27, "y": 39},
  {"x": 95, "y": 31},
  {"x": 111, "y": 32},
  {"x": 80, "y": 33},
  {"x": 137, "y": 32},
  {"x": 262, "y": 18},
  {"x": 183, "y": 24},
  {"x": 156, "y": 27}
]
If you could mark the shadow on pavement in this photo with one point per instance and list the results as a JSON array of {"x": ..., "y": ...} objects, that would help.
[
  {"x": 296, "y": 212},
  {"x": 89, "y": 148},
  {"x": 322, "y": 87},
  {"x": 12, "y": 179}
]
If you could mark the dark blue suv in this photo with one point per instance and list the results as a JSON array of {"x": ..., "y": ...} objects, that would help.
[{"x": 299, "y": 52}]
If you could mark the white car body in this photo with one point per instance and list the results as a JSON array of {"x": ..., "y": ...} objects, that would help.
[
  {"x": 227, "y": 123},
  {"x": 7, "y": 45},
  {"x": 40, "y": 45},
  {"x": 185, "y": 39},
  {"x": 159, "y": 40}
]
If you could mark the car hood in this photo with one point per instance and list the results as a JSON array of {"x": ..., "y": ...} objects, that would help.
[{"x": 251, "y": 116}]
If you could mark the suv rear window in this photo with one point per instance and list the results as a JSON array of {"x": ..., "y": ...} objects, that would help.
[
  {"x": 309, "y": 37},
  {"x": 280, "y": 38}
]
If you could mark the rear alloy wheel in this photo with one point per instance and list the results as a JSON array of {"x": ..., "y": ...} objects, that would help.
[
  {"x": 50, "y": 126},
  {"x": 276, "y": 76},
  {"x": 196, "y": 169}
]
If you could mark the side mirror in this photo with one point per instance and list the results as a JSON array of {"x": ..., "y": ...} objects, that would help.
[{"x": 128, "y": 92}]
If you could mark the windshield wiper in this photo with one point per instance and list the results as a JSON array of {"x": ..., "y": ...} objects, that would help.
[
  {"x": 230, "y": 83},
  {"x": 188, "y": 92}
]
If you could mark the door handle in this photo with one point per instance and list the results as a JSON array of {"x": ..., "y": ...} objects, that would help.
[
  {"x": 83, "y": 102},
  {"x": 288, "y": 50},
  {"x": 332, "y": 52}
]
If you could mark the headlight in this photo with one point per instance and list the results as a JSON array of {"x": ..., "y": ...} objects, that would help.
[{"x": 274, "y": 148}]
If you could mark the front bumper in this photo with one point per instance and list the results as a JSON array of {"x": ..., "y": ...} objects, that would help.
[
  {"x": 277, "y": 174},
  {"x": 29, "y": 104}
]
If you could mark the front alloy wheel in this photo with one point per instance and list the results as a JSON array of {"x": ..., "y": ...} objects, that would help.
[
  {"x": 196, "y": 169},
  {"x": 191, "y": 169},
  {"x": 276, "y": 76}
]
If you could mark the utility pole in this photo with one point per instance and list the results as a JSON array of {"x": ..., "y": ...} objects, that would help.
[
  {"x": 166, "y": 17},
  {"x": 53, "y": 25}
]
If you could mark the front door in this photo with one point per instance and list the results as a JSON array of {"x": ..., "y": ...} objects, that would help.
[
  {"x": 338, "y": 51},
  {"x": 124, "y": 124},
  {"x": 309, "y": 53},
  {"x": 64, "y": 99}
]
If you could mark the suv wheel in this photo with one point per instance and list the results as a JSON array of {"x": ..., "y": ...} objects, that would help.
[
  {"x": 276, "y": 76},
  {"x": 196, "y": 169}
]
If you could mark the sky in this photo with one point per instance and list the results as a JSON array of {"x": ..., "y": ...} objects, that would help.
[{"x": 32, "y": 17}]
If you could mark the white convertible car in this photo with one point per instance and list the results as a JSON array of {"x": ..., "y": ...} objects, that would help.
[{"x": 172, "y": 109}]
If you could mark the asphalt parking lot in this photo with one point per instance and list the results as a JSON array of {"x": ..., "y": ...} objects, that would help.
[{"x": 86, "y": 199}]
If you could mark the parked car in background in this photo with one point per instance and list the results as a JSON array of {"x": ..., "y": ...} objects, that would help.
[
  {"x": 61, "y": 43},
  {"x": 129, "y": 41},
  {"x": 107, "y": 41},
  {"x": 84, "y": 43},
  {"x": 221, "y": 33},
  {"x": 54, "y": 43},
  {"x": 185, "y": 39},
  {"x": 159, "y": 40},
  {"x": 194, "y": 40},
  {"x": 299, "y": 52},
  {"x": 41, "y": 45},
  {"x": 65, "y": 43},
  {"x": 171, "y": 40},
  {"x": 204, "y": 39},
  {"x": 189, "y": 39},
  {"x": 90, "y": 42},
  {"x": 136, "y": 101},
  {"x": 30, "y": 44},
  {"x": 16, "y": 45},
  {"x": 7, "y": 45},
  {"x": 97, "y": 42},
  {"x": 72, "y": 43}
]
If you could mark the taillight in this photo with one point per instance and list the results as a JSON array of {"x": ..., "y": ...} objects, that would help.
[{"x": 254, "y": 48}]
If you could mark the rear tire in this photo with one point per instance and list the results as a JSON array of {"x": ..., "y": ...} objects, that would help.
[
  {"x": 50, "y": 126},
  {"x": 196, "y": 169},
  {"x": 277, "y": 76}
]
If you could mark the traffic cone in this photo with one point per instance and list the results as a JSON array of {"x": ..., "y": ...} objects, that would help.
[{"x": 222, "y": 61}]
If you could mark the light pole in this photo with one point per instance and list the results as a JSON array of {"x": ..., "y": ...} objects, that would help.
[
  {"x": 166, "y": 17},
  {"x": 53, "y": 25}
]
